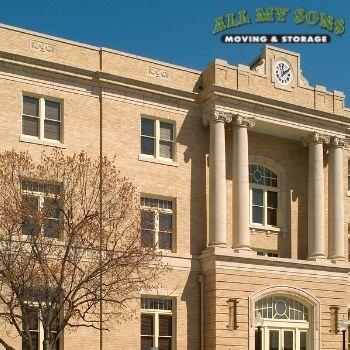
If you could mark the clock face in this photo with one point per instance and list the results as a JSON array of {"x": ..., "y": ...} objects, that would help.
[{"x": 283, "y": 73}]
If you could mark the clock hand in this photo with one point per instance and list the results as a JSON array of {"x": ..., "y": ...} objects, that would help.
[{"x": 286, "y": 71}]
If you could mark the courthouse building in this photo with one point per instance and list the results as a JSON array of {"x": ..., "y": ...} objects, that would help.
[{"x": 243, "y": 170}]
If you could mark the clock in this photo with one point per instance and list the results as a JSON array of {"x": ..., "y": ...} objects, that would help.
[{"x": 283, "y": 73}]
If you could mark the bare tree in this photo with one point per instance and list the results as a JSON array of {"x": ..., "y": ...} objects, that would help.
[{"x": 60, "y": 254}]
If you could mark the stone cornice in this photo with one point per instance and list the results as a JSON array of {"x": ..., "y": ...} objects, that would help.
[{"x": 264, "y": 102}]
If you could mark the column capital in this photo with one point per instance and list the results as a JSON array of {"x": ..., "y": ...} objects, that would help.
[
  {"x": 316, "y": 137},
  {"x": 217, "y": 116},
  {"x": 336, "y": 141},
  {"x": 243, "y": 121}
]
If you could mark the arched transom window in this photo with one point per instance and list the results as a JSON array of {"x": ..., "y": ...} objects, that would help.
[
  {"x": 282, "y": 308},
  {"x": 263, "y": 195}
]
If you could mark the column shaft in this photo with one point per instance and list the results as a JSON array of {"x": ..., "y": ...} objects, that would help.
[
  {"x": 217, "y": 183},
  {"x": 336, "y": 202},
  {"x": 240, "y": 181},
  {"x": 316, "y": 218}
]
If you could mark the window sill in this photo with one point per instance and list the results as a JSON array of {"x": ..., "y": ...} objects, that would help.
[
  {"x": 144, "y": 158},
  {"x": 52, "y": 143},
  {"x": 348, "y": 193},
  {"x": 267, "y": 229}
]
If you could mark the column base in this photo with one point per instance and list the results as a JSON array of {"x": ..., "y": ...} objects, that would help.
[
  {"x": 316, "y": 258},
  {"x": 336, "y": 258},
  {"x": 244, "y": 250}
]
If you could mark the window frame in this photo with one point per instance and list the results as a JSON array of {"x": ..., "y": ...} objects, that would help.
[
  {"x": 157, "y": 211},
  {"x": 156, "y": 313},
  {"x": 157, "y": 139},
  {"x": 41, "y": 200},
  {"x": 41, "y": 117},
  {"x": 40, "y": 330},
  {"x": 265, "y": 207}
]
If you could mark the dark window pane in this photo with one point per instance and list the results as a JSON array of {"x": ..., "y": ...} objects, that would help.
[
  {"x": 146, "y": 343},
  {"x": 30, "y": 224},
  {"x": 30, "y": 126},
  {"x": 147, "y": 326},
  {"x": 165, "y": 222},
  {"x": 288, "y": 340},
  {"x": 165, "y": 240},
  {"x": 147, "y": 220},
  {"x": 274, "y": 340},
  {"x": 52, "y": 110},
  {"x": 258, "y": 215},
  {"x": 272, "y": 217},
  {"x": 258, "y": 197},
  {"x": 272, "y": 199},
  {"x": 51, "y": 208},
  {"x": 166, "y": 149},
  {"x": 165, "y": 325},
  {"x": 147, "y": 238},
  {"x": 303, "y": 340},
  {"x": 147, "y": 127},
  {"x": 166, "y": 131},
  {"x": 30, "y": 318},
  {"x": 51, "y": 228},
  {"x": 258, "y": 340},
  {"x": 164, "y": 343},
  {"x": 30, "y": 106},
  {"x": 52, "y": 130},
  {"x": 34, "y": 340},
  {"x": 147, "y": 146}
]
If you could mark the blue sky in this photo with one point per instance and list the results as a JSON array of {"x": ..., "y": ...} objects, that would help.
[{"x": 180, "y": 31}]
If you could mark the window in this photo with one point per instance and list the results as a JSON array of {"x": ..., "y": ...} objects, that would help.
[
  {"x": 31, "y": 319},
  {"x": 157, "y": 138},
  {"x": 271, "y": 254},
  {"x": 41, "y": 118},
  {"x": 41, "y": 198},
  {"x": 263, "y": 195},
  {"x": 156, "y": 324},
  {"x": 157, "y": 223}
]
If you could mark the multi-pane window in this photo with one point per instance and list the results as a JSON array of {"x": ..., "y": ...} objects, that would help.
[
  {"x": 271, "y": 254},
  {"x": 157, "y": 223},
  {"x": 263, "y": 195},
  {"x": 282, "y": 308},
  {"x": 44, "y": 198},
  {"x": 41, "y": 118},
  {"x": 32, "y": 323},
  {"x": 156, "y": 324},
  {"x": 157, "y": 138}
]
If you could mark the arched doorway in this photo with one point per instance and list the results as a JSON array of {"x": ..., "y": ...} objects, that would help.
[
  {"x": 285, "y": 324},
  {"x": 290, "y": 319}
]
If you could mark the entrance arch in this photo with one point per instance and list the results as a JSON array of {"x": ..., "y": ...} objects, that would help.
[{"x": 289, "y": 300}]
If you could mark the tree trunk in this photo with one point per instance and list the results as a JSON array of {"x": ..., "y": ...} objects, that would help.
[{"x": 5, "y": 345}]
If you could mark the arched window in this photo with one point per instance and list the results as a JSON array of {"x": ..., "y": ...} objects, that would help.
[
  {"x": 263, "y": 195},
  {"x": 285, "y": 324},
  {"x": 282, "y": 308}
]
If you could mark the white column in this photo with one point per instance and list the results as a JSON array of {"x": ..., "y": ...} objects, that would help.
[
  {"x": 336, "y": 233},
  {"x": 217, "y": 179},
  {"x": 316, "y": 218},
  {"x": 240, "y": 183}
]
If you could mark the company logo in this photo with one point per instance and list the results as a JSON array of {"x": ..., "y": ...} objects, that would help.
[{"x": 298, "y": 16}]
